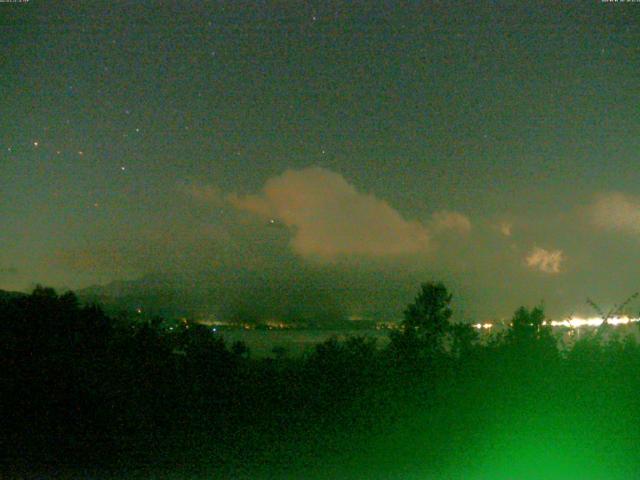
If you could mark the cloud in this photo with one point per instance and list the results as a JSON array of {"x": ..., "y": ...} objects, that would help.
[
  {"x": 505, "y": 229},
  {"x": 547, "y": 261},
  {"x": 616, "y": 211},
  {"x": 450, "y": 221},
  {"x": 329, "y": 217}
]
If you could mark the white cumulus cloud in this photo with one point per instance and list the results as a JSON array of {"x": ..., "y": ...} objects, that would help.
[
  {"x": 547, "y": 261},
  {"x": 329, "y": 217}
]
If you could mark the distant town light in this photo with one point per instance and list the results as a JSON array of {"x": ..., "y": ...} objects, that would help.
[
  {"x": 483, "y": 326},
  {"x": 575, "y": 322}
]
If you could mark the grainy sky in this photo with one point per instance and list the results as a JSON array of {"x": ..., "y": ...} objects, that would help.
[{"x": 353, "y": 148}]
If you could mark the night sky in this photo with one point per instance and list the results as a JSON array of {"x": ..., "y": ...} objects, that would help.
[{"x": 324, "y": 155}]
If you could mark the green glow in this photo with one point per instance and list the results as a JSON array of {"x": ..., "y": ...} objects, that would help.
[{"x": 550, "y": 446}]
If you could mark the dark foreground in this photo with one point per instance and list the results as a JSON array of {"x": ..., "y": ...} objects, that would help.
[{"x": 86, "y": 396}]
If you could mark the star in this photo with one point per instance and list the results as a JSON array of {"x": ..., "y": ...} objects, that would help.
[
  {"x": 123, "y": 168},
  {"x": 80, "y": 152},
  {"x": 36, "y": 143}
]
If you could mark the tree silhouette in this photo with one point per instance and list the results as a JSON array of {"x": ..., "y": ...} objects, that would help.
[
  {"x": 74, "y": 378},
  {"x": 240, "y": 349},
  {"x": 426, "y": 322},
  {"x": 530, "y": 336},
  {"x": 463, "y": 339},
  {"x": 527, "y": 325}
]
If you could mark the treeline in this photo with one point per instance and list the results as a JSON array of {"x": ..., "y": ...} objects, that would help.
[{"x": 83, "y": 392}]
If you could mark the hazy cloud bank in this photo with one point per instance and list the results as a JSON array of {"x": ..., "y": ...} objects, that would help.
[{"x": 617, "y": 211}]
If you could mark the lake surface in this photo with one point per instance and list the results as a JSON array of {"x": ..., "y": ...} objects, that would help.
[{"x": 295, "y": 342}]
